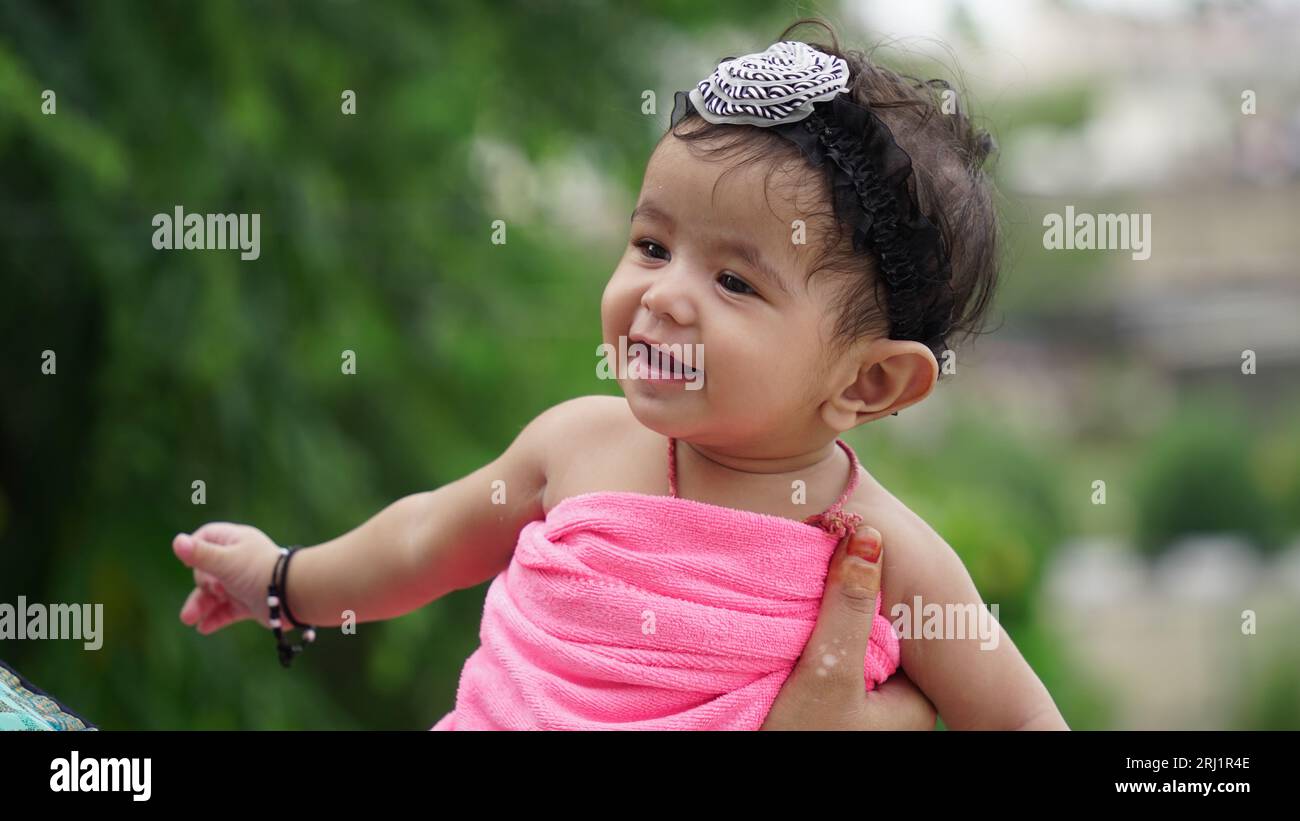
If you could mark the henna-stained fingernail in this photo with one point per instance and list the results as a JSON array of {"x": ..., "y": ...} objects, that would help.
[{"x": 865, "y": 544}]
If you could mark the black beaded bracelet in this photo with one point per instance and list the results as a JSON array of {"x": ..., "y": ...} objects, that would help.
[{"x": 277, "y": 597}]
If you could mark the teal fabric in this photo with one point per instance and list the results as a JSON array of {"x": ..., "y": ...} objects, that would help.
[{"x": 23, "y": 706}]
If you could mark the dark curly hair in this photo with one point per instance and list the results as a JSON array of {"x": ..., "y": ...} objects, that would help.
[{"x": 949, "y": 183}]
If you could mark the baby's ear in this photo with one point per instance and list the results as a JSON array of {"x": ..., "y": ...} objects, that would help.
[{"x": 891, "y": 375}]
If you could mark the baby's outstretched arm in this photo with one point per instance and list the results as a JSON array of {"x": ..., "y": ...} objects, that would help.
[
  {"x": 975, "y": 682},
  {"x": 426, "y": 545},
  {"x": 412, "y": 552}
]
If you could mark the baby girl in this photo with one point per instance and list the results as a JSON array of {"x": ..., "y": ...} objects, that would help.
[{"x": 819, "y": 226}]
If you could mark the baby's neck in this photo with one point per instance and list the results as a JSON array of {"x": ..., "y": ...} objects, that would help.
[
  {"x": 799, "y": 462},
  {"x": 790, "y": 484}
]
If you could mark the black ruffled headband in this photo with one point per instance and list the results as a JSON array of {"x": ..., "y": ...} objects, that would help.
[{"x": 797, "y": 91}]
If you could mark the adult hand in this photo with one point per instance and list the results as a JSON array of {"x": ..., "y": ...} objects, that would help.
[{"x": 817, "y": 696}]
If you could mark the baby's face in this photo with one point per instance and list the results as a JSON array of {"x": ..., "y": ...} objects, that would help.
[{"x": 721, "y": 273}]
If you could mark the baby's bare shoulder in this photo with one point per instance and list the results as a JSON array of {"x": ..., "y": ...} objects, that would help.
[
  {"x": 882, "y": 509},
  {"x": 586, "y": 417},
  {"x": 913, "y": 550},
  {"x": 578, "y": 414},
  {"x": 577, "y": 430}
]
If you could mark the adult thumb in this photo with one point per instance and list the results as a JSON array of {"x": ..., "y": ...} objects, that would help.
[{"x": 843, "y": 628}]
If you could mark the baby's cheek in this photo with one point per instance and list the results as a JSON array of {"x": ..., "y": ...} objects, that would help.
[
  {"x": 616, "y": 304},
  {"x": 761, "y": 388},
  {"x": 779, "y": 379}
]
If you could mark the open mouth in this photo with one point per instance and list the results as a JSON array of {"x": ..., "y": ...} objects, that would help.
[{"x": 660, "y": 362}]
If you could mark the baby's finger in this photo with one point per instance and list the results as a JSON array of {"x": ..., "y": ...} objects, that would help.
[
  {"x": 203, "y": 579},
  {"x": 219, "y": 532},
  {"x": 204, "y": 607},
  {"x": 220, "y": 616},
  {"x": 190, "y": 609},
  {"x": 211, "y": 585},
  {"x": 204, "y": 554}
]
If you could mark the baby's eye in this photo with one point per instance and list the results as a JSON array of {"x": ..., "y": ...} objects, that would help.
[
  {"x": 646, "y": 244},
  {"x": 735, "y": 284}
]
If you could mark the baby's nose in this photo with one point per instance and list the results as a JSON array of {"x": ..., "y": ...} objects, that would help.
[{"x": 669, "y": 297}]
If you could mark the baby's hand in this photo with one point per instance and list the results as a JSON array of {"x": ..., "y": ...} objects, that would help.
[{"x": 232, "y": 568}]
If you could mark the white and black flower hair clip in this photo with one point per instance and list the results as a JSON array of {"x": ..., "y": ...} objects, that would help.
[
  {"x": 798, "y": 91},
  {"x": 772, "y": 87}
]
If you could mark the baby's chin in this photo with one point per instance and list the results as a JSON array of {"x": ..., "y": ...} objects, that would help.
[
  {"x": 686, "y": 416},
  {"x": 672, "y": 411}
]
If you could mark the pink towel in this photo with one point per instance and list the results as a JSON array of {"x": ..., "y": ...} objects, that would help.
[{"x": 631, "y": 611}]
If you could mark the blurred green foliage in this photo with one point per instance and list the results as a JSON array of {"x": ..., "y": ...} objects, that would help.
[{"x": 1196, "y": 477}]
